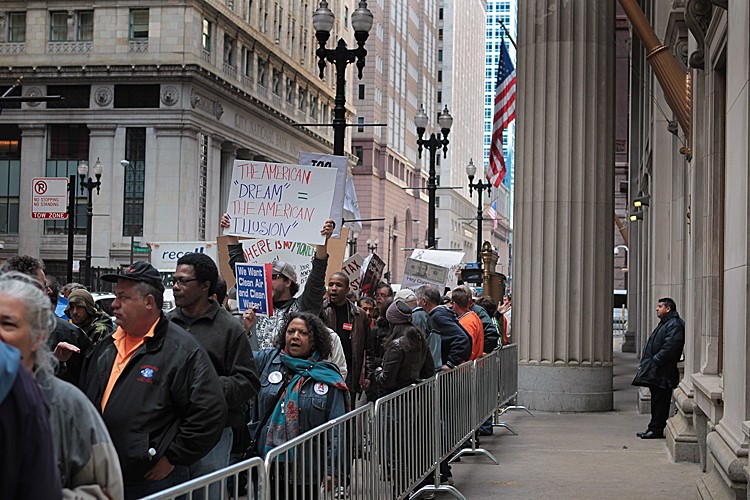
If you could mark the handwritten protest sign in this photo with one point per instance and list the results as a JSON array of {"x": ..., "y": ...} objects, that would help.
[
  {"x": 418, "y": 273},
  {"x": 340, "y": 164},
  {"x": 254, "y": 289},
  {"x": 280, "y": 201},
  {"x": 350, "y": 267},
  {"x": 369, "y": 275},
  {"x": 449, "y": 259}
]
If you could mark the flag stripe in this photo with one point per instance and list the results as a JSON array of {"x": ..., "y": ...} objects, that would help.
[{"x": 504, "y": 113}]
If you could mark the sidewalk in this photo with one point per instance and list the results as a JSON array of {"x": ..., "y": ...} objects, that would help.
[{"x": 578, "y": 455}]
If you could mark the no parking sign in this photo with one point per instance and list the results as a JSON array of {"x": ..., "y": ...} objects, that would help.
[{"x": 49, "y": 198}]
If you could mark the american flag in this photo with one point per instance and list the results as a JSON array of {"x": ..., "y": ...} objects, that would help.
[
  {"x": 492, "y": 213},
  {"x": 505, "y": 112}
]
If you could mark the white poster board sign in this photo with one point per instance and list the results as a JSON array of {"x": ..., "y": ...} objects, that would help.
[
  {"x": 451, "y": 260},
  {"x": 350, "y": 267},
  {"x": 280, "y": 201},
  {"x": 419, "y": 272},
  {"x": 340, "y": 164},
  {"x": 299, "y": 255}
]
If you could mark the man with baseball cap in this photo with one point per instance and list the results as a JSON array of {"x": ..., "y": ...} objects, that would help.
[{"x": 156, "y": 388}]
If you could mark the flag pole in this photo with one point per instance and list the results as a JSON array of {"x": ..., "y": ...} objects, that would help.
[{"x": 508, "y": 33}]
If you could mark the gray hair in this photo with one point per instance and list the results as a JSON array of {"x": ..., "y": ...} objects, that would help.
[
  {"x": 145, "y": 289},
  {"x": 38, "y": 313},
  {"x": 430, "y": 293}
]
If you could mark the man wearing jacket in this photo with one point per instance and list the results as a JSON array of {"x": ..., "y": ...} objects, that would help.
[
  {"x": 659, "y": 365},
  {"x": 353, "y": 328},
  {"x": 456, "y": 342},
  {"x": 159, "y": 394},
  {"x": 223, "y": 338},
  {"x": 82, "y": 311}
]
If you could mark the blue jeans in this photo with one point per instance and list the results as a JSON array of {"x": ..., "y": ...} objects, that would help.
[
  {"x": 486, "y": 428},
  {"x": 217, "y": 458}
]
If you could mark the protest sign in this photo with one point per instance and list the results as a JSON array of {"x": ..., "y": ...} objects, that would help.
[
  {"x": 340, "y": 164},
  {"x": 350, "y": 267},
  {"x": 280, "y": 201},
  {"x": 369, "y": 275},
  {"x": 418, "y": 273},
  {"x": 450, "y": 259},
  {"x": 254, "y": 290}
]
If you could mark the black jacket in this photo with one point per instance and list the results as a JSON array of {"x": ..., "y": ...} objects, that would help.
[
  {"x": 404, "y": 364},
  {"x": 221, "y": 335},
  {"x": 456, "y": 341},
  {"x": 168, "y": 399},
  {"x": 362, "y": 363},
  {"x": 69, "y": 371},
  {"x": 663, "y": 349}
]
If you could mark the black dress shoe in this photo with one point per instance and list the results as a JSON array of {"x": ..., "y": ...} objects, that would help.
[
  {"x": 640, "y": 434},
  {"x": 652, "y": 435}
]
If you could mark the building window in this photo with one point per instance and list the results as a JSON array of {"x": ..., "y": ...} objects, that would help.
[
  {"x": 74, "y": 96},
  {"x": 203, "y": 181},
  {"x": 360, "y": 124},
  {"x": 361, "y": 91},
  {"x": 85, "y": 26},
  {"x": 247, "y": 62},
  {"x": 139, "y": 24},
  {"x": 229, "y": 44},
  {"x": 67, "y": 147},
  {"x": 302, "y": 99},
  {"x": 17, "y": 27},
  {"x": 346, "y": 17},
  {"x": 58, "y": 26},
  {"x": 10, "y": 178},
  {"x": 136, "y": 96},
  {"x": 262, "y": 73},
  {"x": 314, "y": 107},
  {"x": 359, "y": 152},
  {"x": 207, "y": 28},
  {"x": 290, "y": 91},
  {"x": 133, "y": 199},
  {"x": 276, "y": 84}
]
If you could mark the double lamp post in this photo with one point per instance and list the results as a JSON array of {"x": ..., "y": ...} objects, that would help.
[{"x": 89, "y": 184}]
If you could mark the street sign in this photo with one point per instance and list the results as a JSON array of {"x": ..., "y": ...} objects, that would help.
[{"x": 49, "y": 198}]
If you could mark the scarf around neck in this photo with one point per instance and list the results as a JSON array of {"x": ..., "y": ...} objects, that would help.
[{"x": 284, "y": 423}]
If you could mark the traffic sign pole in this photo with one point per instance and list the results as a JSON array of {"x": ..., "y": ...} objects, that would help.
[{"x": 71, "y": 224}]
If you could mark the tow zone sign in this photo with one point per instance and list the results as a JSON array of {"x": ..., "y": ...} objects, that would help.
[{"x": 49, "y": 198}]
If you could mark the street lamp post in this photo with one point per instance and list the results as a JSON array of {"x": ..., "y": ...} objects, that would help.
[
  {"x": 352, "y": 244},
  {"x": 340, "y": 57},
  {"x": 372, "y": 246},
  {"x": 435, "y": 142},
  {"x": 89, "y": 184},
  {"x": 479, "y": 187}
]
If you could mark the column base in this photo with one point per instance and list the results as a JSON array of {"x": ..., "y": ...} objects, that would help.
[
  {"x": 644, "y": 401},
  {"x": 726, "y": 472},
  {"x": 628, "y": 344},
  {"x": 565, "y": 388},
  {"x": 682, "y": 441}
]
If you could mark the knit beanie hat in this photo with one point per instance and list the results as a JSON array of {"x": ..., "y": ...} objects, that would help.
[{"x": 398, "y": 313}]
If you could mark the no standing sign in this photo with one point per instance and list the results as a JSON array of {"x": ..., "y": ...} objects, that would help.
[{"x": 49, "y": 198}]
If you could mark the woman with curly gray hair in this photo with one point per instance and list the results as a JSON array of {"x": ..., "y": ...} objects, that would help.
[{"x": 86, "y": 457}]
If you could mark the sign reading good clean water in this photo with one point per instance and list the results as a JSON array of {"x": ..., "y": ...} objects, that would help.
[
  {"x": 279, "y": 201},
  {"x": 254, "y": 290}
]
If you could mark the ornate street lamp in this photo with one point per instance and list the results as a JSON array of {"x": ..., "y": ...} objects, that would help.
[
  {"x": 479, "y": 187},
  {"x": 372, "y": 246},
  {"x": 435, "y": 142},
  {"x": 89, "y": 184},
  {"x": 340, "y": 57}
]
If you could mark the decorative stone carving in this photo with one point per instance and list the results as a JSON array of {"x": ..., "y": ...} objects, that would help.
[
  {"x": 194, "y": 100},
  {"x": 170, "y": 95},
  {"x": 33, "y": 92},
  {"x": 680, "y": 49},
  {"x": 218, "y": 110},
  {"x": 103, "y": 96},
  {"x": 697, "y": 17},
  {"x": 724, "y": 4}
]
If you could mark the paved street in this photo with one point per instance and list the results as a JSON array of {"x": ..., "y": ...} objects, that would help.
[{"x": 578, "y": 455}]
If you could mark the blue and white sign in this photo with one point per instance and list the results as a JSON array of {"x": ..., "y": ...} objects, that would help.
[{"x": 254, "y": 289}]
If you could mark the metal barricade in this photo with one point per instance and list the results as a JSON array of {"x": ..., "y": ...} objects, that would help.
[
  {"x": 508, "y": 388},
  {"x": 327, "y": 462},
  {"x": 249, "y": 475},
  {"x": 405, "y": 439}
]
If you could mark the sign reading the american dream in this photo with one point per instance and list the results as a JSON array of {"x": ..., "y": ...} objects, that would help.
[
  {"x": 280, "y": 201},
  {"x": 254, "y": 288}
]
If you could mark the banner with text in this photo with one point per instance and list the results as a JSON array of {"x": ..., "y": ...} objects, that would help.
[
  {"x": 340, "y": 164},
  {"x": 350, "y": 267},
  {"x": 369, "y": 275},
  {"x": 280, "y": 201},
  {"x": 450, "y": 259},
  {"x": 418, "y": 273},
  {"x": 254, "y": 290}
]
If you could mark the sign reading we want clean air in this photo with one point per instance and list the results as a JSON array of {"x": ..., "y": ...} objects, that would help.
[{"x": 279, "y": 201}]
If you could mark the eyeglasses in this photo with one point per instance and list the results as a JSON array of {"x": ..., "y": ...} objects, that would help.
[
  {"x": 382, "y": 295},
  {"x": 183, "y": 282},
  {"x": 277, "y": 276}
]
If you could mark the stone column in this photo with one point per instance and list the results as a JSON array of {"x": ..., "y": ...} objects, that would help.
[
  {"x": 33, "y": 150},
  {"x": 224, "y": 175},
  {"x": 101, "y": 146},
  {"x": 565, "y": 205}
]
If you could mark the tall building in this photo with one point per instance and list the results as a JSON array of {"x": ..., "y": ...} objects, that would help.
[
  {"x": 499, "y": 13},
  {"x": 179, "y": 89},
  {"x": 400, "y": 75},
  {"x": 460, "y": 82}
]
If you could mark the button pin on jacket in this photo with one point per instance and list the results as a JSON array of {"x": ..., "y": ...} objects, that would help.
[{"x": 151, "y": 453}]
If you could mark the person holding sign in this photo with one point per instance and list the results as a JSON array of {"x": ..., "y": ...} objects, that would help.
[{"x": 300, "y": 391}]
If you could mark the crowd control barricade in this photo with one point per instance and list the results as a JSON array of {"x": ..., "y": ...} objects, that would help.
[
  {"x": 249, "y": 475},
  {"x": 331, "y": 461},
  {"x": 508, "y": 388},
  {"x": 405, "y": 445}
]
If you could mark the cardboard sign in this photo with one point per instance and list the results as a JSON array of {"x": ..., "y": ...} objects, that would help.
[
  {"x": 450, "y": 259},
  {"x": 340, "y": 164},
  {"x": 254, "y": 289},
  {"x": 418, "y": 273},
  {"x": 350, "y": 267},
  {"x": 369, "y": 275},
  {"x": 280, "y": 201}
]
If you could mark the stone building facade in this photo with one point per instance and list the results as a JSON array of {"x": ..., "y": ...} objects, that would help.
[{"x": 179, "y": 89}]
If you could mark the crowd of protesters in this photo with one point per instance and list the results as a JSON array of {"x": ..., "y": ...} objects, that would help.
[{"x": 123, "y": 406}]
